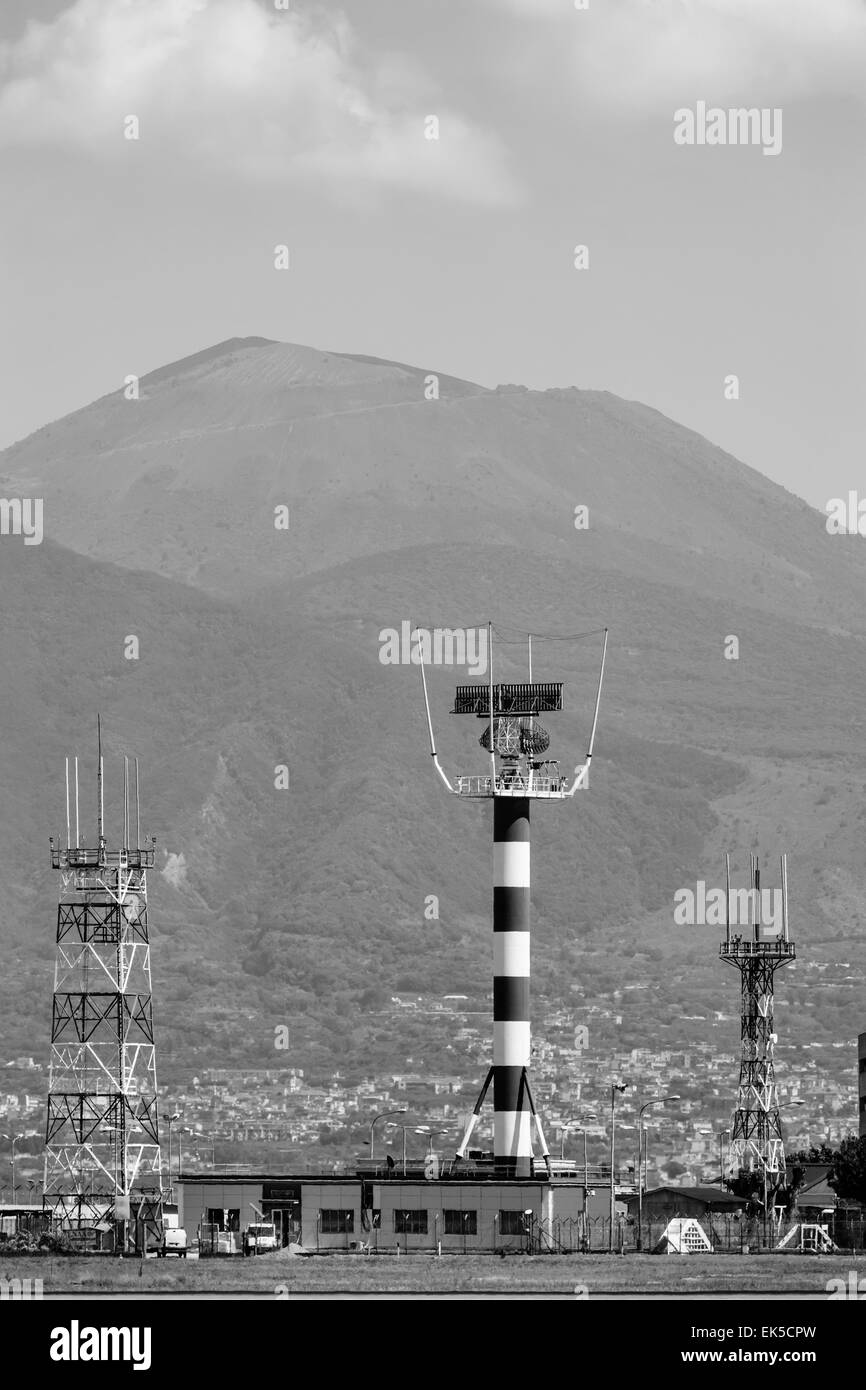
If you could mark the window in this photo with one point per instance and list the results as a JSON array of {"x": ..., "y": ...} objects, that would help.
[
  {"x": 460, "y": 1223},
  {"x": 513, "y": 1223},
  {"x": 410, "y": 1223},
  {"x": 224, "y": 1218},
  {"x": 337, "y": 1223}
]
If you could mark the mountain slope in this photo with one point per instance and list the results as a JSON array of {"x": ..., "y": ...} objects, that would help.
[
  {"x": 184, "y": 481},
  {"x": 260, "y": 648}
]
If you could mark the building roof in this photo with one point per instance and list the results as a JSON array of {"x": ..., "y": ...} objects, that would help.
[
  {"x": 710, "y": 1195},
  {"x": 817, "y": 1194}
]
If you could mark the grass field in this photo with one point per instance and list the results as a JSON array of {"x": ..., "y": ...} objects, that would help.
[{"x": 551, "y": 1276}]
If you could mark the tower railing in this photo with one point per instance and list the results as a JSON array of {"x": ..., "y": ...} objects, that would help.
[
  {"x": 512, "y": 784},
  {"x": 776, "y": 947},
  {"x": 76, "y": 857}
]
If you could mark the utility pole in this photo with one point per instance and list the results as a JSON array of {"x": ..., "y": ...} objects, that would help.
[{"x": 616, "y": 1087}]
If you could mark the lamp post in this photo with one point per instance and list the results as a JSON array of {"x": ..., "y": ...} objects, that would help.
[
  {"x": 383, "y": 1115},
  {"x": 430, "y": 1135},
  {"x": 722, "y": 1134},
  {"x": 14, "y": 1138},
  {"x": 182, "y": 1129},
  {"x": 579, "y": 1124},
  {"x": 528, "y": 1225},
  {"x": 621, "y": 1088},
  {"x": 785, "y": 1173},
  {"x": 662, "y": 1100},
  {"x": 573, "y": 1123},
  {"x": 403, "y": 1128},
  {"x": 176, "y": 1116}
]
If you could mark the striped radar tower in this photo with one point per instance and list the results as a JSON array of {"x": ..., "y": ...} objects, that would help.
[{"x": 520, "y": 772}]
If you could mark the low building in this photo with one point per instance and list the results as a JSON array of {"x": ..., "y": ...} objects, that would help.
[
  {"x": 670, "y": 1201},
  {"x": 384, "y": 1209}
]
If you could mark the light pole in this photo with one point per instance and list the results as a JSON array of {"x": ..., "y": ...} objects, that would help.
[
  {"x": 14, "y": 1138},
  {"x": 430, "y": 1135},
  {"x": 784, "y": 1172},
  {"x": 579, "y": 1124},
  {"x": 176, "y": 1116},
  {"x": 663, "y": 1100},
  {"x": 383, "y": 1115},
  {"x": 722, "y": 1134},
  {"x": 528, "y": 1224},
  {"x": 181, "y": 1130},
  {"x": 404, "y": 1129},
  {"x": 573, "y": 1124},
  {"x": 615, "y": 1087}
]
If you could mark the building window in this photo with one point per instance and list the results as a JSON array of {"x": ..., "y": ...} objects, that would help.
[
  {"x": 337, "y": 1223},
  {"x": 224, "y": 1218},
  {"x": 410, "y": 1223},
  {"x": 513, "y": 1223},
  {"x": 460, "y": 1223}
]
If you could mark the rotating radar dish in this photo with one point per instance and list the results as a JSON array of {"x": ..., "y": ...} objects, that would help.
[{"x": 513, "y": 737}]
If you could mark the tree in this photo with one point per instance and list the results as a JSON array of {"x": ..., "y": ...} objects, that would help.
[
  {"x": 751, "y": 1187},
  {"x": 847, "y": 1176},
  {"x": 816, "y": 1154}
]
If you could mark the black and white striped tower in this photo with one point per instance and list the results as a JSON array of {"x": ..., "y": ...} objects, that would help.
[
  {"x": 524, "y": 773},
  {"x": 512, "y": 1141}
]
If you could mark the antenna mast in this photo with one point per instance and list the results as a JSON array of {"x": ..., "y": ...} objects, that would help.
[
  {"x": 102, "y": 1152},
  {"x": 101, "y": 810}
]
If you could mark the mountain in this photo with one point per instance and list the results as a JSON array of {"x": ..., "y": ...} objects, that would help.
[{"x": 260, "y": 647}]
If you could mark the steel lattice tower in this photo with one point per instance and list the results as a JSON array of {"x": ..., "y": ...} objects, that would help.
[
  {"x": 524, "y": 774},
  {"x": 102, "y": 1151},
  {"x": 757, "y": 1145}
]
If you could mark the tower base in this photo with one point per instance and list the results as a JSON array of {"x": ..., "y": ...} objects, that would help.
[{"x": 512, "y": 1130}]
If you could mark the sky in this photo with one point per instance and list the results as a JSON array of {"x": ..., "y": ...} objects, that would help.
[{"x": 307, "y": 126}]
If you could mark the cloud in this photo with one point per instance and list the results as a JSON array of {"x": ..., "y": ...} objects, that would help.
[
  {"x": 626, "y": 52},
  {"x": 236, "y": 88}
]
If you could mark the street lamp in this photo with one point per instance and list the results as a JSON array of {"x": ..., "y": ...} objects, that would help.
[
  {"x": 528, "y": 1224},
  {"x": 573, "y": 1123},
  {"x": 14, "y": 1138},
  {"x": 789, "y": 1104},
  {"x": 383, "y": 1115},
  {"x": 176, "y": 1116},
  {"x": 430, "y": 1135},
  {"x": 621, "y": 1088},
  {"x": 181, "y": 1130},
  {"x": 403, "y": 1128},
  {"x": 663, "y": 1100}
]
